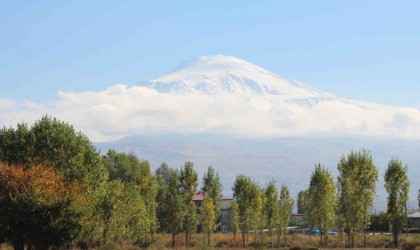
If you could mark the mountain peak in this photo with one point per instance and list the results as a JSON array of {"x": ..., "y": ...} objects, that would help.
[
  {"x": 220, "y": 74},
  {"x": 214, "y": 62}
]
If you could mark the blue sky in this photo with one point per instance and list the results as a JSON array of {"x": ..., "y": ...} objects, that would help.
[{"x": 367, "y": 50}]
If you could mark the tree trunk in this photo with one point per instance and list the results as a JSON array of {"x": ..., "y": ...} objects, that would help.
[
  {"x": 320, "y": 235},
  {"x": 187, "y": 243},
  {"x": 243, "y": 239},
  {"x": 285, "y": 237},
  {"x": 395, "y": 234},
  {"x": 173, "y": 240},
  {"x": 19, "y": 243},
  {"x": 272, "y": 243}
]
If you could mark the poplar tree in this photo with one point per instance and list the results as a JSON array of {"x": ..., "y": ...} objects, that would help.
[
  {"x": 356, "y": 190},
  {"x": 162, "y": 176},
  {"x": 271, "y": 207},
  {"x": 175, "y": 207},
  {"x": 188, "y": 179},
  {"x": 286, "y": 204},
  {"x": 259, "y": 216},
  {"x": 322, "y": 201},
  {"x": 235, "y": 218},
  {"x": 397, "y": 186},
  {"x": 244, "y": 193},
  {"x": 301, "y": 209},
  {"x": 208, "y": 218},
  {"x": 212, "y": 188}
]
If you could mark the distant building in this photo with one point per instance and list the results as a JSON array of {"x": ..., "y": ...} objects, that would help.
[
  {"x": 414, "y": 220},
  {"x": 225, "y": 219}
]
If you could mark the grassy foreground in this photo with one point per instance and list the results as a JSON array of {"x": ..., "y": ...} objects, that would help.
[
  {"x": 295, "y": 242},
  {"x": 227, "y": 241}
]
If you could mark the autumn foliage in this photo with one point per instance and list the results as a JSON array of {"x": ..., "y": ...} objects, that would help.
[
  {"x": 41, "y": 182},
  {"x": 36, "y": 207}
]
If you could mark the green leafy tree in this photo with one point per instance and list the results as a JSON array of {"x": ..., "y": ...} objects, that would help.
[
  {"x": 189, "y": 181},
  {"x": 235, "y": 218},
  {"x": 244, "y": 191},
  {"x": 259, "y": 215},
  {"x": 36, "y": 208},
  {"x": 208, "y": 217},
  {"x": 162, "y": 176},
  {"x": 418, "y": 198},
  {"x": 55, "y": 144},
  {"x": 175, "y": 207},
  {"x": 301, "y": 202},
  {"x": 379, "y": 223},
  {"x": 286, "y": 205},
  {"x": 271, "y": 207},
  {"x": 322, "y": 200},
  {"x": 397, "y": 185},
  {"x": 212, "y": 187},
  {"x": 131, "y": 171},
  {"x": 148, "y": 191},
  {"x": 116, "y": 212},
  {"x": 356, "y": 190},
  {"x": 122, "y": 166}
]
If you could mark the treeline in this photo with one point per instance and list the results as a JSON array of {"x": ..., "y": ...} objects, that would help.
[{"x": 57, "y": 191}]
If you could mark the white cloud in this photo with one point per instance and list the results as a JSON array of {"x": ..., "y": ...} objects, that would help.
[{"x": 121, "y": 111}]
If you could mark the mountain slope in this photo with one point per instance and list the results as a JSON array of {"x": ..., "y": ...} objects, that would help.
[{"x": 226, "y": 74}]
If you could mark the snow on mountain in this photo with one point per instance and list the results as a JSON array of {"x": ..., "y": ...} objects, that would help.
[
  {"x": 229, "y": 75},
  {"x": 238, "y": 93}
]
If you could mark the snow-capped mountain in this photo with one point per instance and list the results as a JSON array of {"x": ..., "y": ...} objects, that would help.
[
  {"x": 234, "y": 93},
  {"x": 230, "y": 75}
]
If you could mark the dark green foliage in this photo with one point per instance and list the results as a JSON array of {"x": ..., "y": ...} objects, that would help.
[
  {"x": 162, "y": 176},
  {"x": 122, "y": 166},
  {"x": 301, "y": 208},
  {"x": 379, "y": 223},
  {"x": 40, "y": 225},
  {"x": 189, "y": 181},
  {"x": 175, "y": 206},
  {"x": 55, "y": 144},
  {"x": 397, "y": 186}
]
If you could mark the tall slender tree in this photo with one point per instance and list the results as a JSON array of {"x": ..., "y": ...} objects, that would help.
[
  {"x": 259, "y": 215},
  {"x": 208, "y": 217},
  {"x": 322, "y": 201},
  {"x": 162, "y": 176},
  {"x": 286, "y": 205},
  {"x": 244, "y": 190},
  {"x": 212, "y": 187},
  {"x": 189, "y": 181},
  {"x": 175, "y": 207},
  {"x": 397, "y": 186},
  {"x": 356, "y": 190},
  {"x": 301, "y": 209},
  {"x": 418, "y": 198},
  {"x": 235, "y": 219},
  {"x": 271, "y": 207}
]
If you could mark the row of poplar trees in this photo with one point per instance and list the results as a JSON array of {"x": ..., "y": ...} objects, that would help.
[
  {"x": 256, "y": 209},
  {"x": 56, "y": 190},
  {"x": 176, "y": 209},
  {"x": 347, "y": 204}
]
